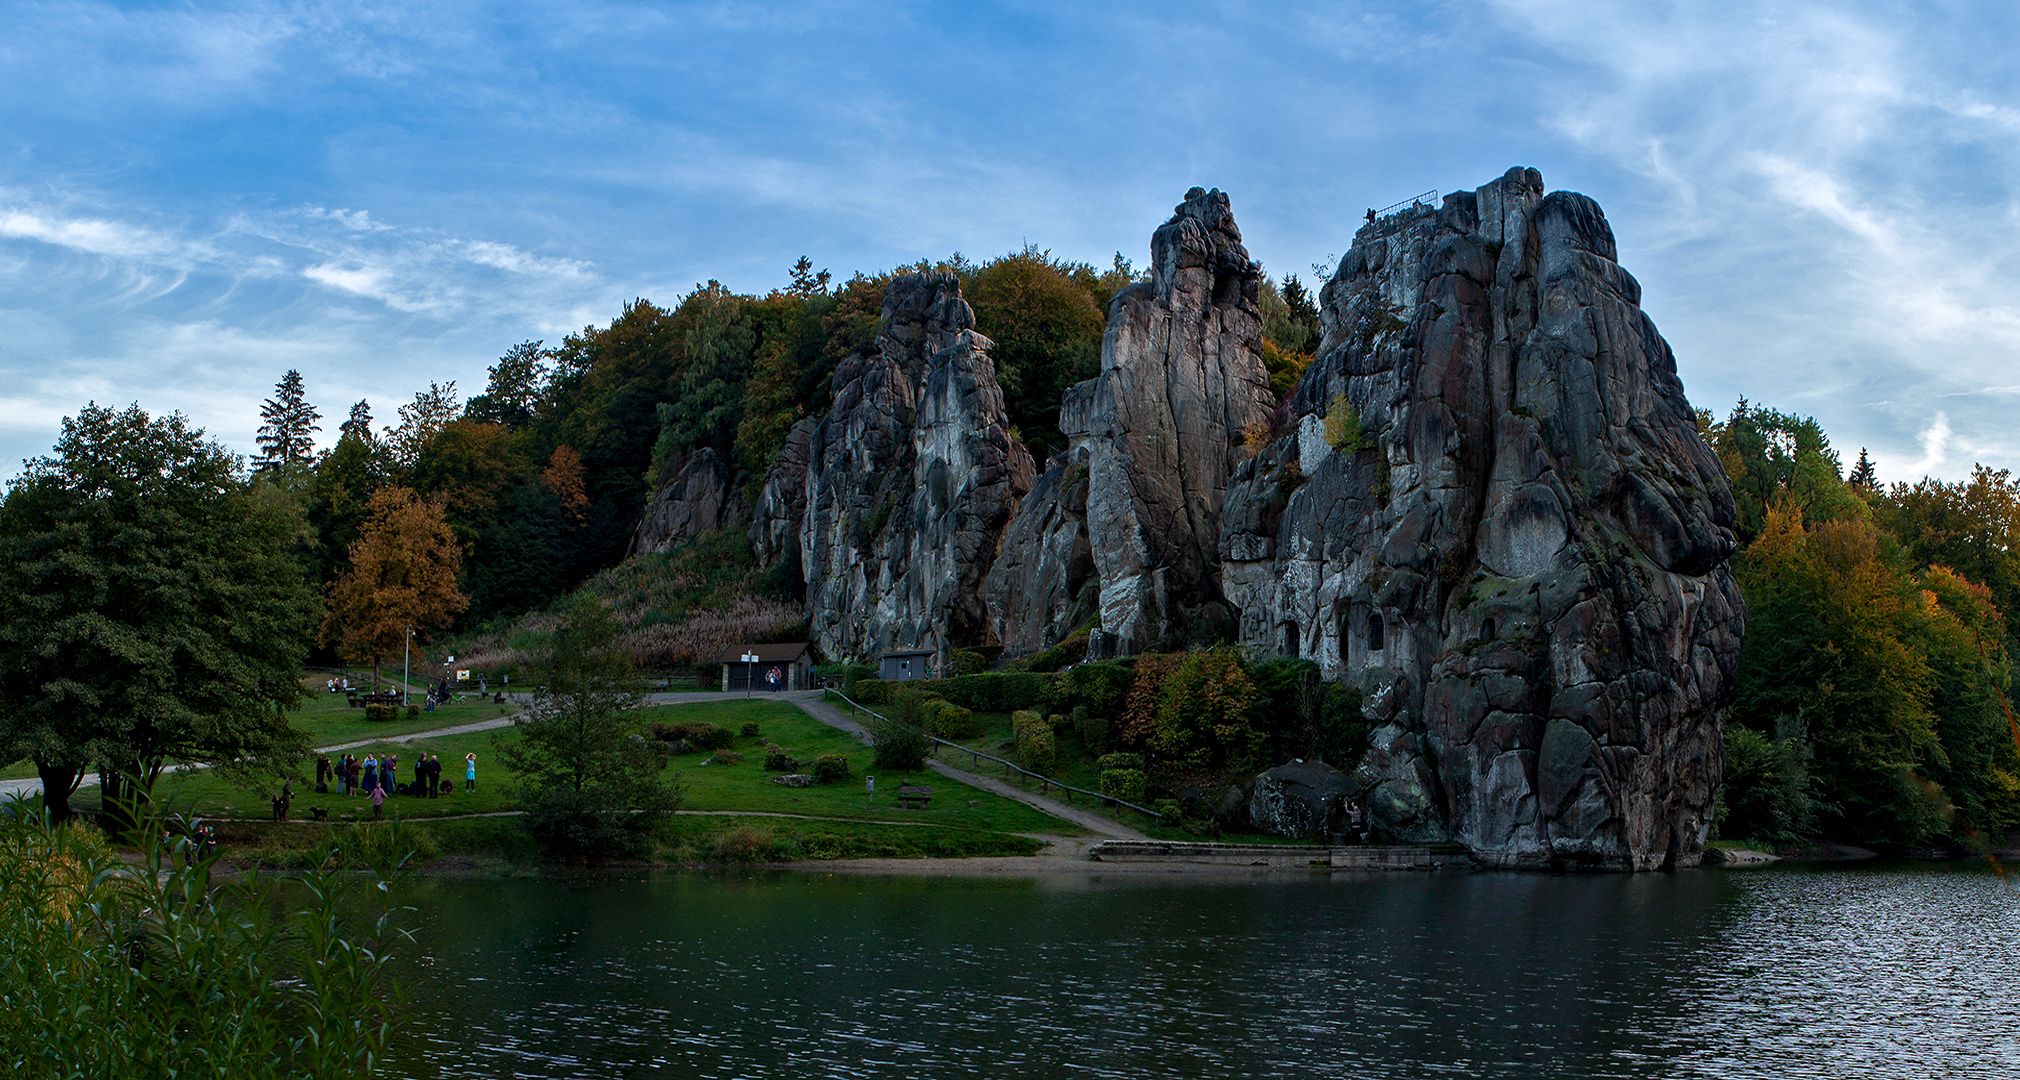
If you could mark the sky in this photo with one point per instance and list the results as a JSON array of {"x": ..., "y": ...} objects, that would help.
[{"x": 1821, "y": 200}]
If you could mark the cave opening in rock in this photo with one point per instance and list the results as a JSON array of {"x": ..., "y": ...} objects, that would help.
[
  {"x": 1290, "y": 639},
  {"x": 1375, "y": 632}
]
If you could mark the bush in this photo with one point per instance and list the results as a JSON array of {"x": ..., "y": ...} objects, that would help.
[
  {"x": 1034, "y": 740},
  {"x": 951, "y": 721},
  {"x": 1170, "y": 809},
  {"x": 728, "y": 757},
  {"x": 898, "y": 745},
  {"x": 1343, "y": 428},
  {"x": 1065, "y": 654},
  {"x": 829, "y": 768},
  {"x": 968, "y": 662},
  {"x": 1129, "y": 785},
  {"x": 908, "y": 705},
  {"x": 697, "y": 733},
  {"x": 1099, "y": 687},
  {"x": 777, "y": 760},
  {"x": 1121, "y": 761},
  {"x": 413, "y": 712},
  {"x": 1002, "y": 691},
  {"x": 382, "y": 714},
  {"x": 1194, "y": 709},
  {"x": 870, "y": 690},
  {"x": 749, "y": 730}
]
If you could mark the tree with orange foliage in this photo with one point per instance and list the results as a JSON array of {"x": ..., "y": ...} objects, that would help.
[
  {"x": 563, "y": 477},
  {"x": 403, "y": 574}
]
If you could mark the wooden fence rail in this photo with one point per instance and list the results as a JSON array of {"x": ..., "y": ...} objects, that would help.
[{"x": 1045, "y": 783}]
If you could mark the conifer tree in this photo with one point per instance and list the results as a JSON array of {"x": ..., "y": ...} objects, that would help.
[
  {"x": 1864, "y": 479},
  {"x": 286, "y": 437},
  {"x": 360, "y": 423}
]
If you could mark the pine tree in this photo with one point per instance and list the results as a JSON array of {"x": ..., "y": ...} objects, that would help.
[
  {"x": 286, "y": 436},
  {"x": 360, "y": 423},
  {"x": 1863, "y": 478}
]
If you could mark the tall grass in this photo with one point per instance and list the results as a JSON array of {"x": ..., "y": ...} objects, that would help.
[{"x": 157, "y": 968}]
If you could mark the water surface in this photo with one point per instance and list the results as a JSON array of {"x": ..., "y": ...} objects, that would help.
[{"x": 1819, "y": 972}]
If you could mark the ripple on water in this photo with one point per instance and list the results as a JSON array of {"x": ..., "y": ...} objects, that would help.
[{"x": 1782, "y": 973}]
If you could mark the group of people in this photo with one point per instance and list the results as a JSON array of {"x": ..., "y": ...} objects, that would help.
[
  {"x": 375, "y": 778},
  {"x": 338, "y": 685}
]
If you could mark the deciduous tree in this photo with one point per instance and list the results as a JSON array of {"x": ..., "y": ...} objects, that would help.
[
  {"x": 402, "y": 575},
  {"x": 151, "y": 606}
]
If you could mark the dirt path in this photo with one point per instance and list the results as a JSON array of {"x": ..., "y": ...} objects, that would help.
[{"x": 810, "y": 702}]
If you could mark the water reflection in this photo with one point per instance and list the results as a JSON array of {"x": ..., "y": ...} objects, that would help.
[{"x": 1768, "y": 973}]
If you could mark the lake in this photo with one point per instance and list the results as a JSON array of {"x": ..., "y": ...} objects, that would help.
[{"x": 1902, "y": 970}]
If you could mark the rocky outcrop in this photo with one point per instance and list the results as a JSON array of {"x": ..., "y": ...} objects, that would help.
[
  {"x": 1305, "y": 800},
  {"x": 1151, "y": 443},
  {"x": 782, "y": 502},
  {"x": 1491, "y": 509},
  {"x": 704, "y": 495},
  {"x": 908, "y": 482}
]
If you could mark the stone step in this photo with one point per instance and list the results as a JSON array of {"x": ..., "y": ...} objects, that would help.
[{"x": 1309, "y": 856}]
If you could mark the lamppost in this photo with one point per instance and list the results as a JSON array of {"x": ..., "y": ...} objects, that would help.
[{"x": 406, "y": 666}]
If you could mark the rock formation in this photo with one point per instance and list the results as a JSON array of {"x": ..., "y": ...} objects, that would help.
[
  {"x": 1134, "y": 503},
  {"x": 1492, "y": 511},
  {"x": 704, "y": 495},
  {"x": 903, "y": 490}
]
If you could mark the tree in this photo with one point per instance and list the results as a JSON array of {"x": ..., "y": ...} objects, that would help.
[
  {"x": 1776, "y": 459},
  {"x": 420, "y": 421},
  {"x": 346, "y": 478},
  {"x": 708, "y": 400},
  {"x": 1972, "y": 527},
  {"x": 286, "y": 437},
  {"x": 590, "y": 787},
  {"x": 402, "y": 576},
  {"x": 1864, "y": 479},
  {"x": 517, "y": 381},
  {"x": 1043, "y": 316},
  {"x": 360, "y": 423},
  {"x": 151, "y": 607}
]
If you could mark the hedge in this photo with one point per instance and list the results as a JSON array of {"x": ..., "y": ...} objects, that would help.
[{"x": 1129, "y": 785}]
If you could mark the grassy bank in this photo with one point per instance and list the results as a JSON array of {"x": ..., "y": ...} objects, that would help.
[{"x": 837, "y": 820}]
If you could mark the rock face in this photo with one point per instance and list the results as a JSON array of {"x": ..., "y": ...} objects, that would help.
[
  {"x": 775, "y": 519},
  {"x": 1151, "y": 443},
  {"x": 1305, "y": 800},
  {"x": 1492, "y": 511},
  {"x": 705, "y": 495},
  {"x": 906, "y": 485}
]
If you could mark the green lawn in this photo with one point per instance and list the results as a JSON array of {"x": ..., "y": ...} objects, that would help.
[
  {"x": 330, "y": 721},
  {"x": 711, "y": 787}
]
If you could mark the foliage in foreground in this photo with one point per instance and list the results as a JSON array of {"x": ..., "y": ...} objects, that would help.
[{"x": 156, "y": 969}]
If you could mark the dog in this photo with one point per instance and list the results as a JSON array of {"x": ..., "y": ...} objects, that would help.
[{"x": 319, "y": 813}]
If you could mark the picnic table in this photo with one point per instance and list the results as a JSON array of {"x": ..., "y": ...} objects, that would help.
[
  {"x": 359, "y": 701},
  {"x": 914, "y": 797}
]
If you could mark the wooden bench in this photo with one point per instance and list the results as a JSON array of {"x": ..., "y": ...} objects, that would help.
[{"x": 914, "y": 798}]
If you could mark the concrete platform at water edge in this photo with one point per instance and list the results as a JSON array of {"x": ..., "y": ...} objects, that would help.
[{"x": 1287, "y": 856}]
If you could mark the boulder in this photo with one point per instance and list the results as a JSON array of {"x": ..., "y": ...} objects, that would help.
[
  {"x": 701, "y": 495},
  {"x": 1305, "y": 800},
  {"x": 1489, "y": 508}
]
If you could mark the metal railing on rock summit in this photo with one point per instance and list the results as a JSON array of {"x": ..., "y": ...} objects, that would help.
[{"x": 1045, "y": 783}]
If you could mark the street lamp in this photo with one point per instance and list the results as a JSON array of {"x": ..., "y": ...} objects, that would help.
[{"x": 406, "y": 666}]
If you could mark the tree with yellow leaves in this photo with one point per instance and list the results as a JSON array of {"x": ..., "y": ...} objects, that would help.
[{"x": 403, "y": 574}]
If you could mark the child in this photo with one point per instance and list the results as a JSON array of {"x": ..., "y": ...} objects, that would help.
[{"x": 470, "y": 772}]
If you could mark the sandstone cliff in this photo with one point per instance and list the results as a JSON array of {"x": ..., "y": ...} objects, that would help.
[
  {"x": 1493, "y": 512},
  {"x": 898, "y": 497},
  {"x": 704, "y": 495},
  {"x": 1134, "y": 503}
]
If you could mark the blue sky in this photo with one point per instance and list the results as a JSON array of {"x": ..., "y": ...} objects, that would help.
[{"x": 1819, "y": 198}]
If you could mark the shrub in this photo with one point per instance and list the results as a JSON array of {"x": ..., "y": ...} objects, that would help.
[
  {"x": 1099, "y": 687},
  {"x": 749, "y": 729},
  {"x": 1068, "y": 652},
  {"x": 829, "y": 768},
  {"x": 1343, "y": 427},
  {"x": 1170, "y": 809},
  {"x": 381, "y": 714},
  {"x": 697, "y": 733},
  {"x": 898, "y": 745},
  {"x": 869, "y": 690},
  {"x": 1002, "y": 691},
  {"x": 1195, "y": 709},
  {"x": 909, "y": 705},
  {"x": 1034, "y": 740},
  {"x": 1121, "y": 761},
  {"x": 728, "y": 757},
  {"x": 1059, "y": 723},
  {"x": 1093, "y": 729},
  {"x": 1129, "y": 785},
  {"x": 413, "y": 712},
  {"x": 968, "y": 662},
  {"x": 951, "y": 721},
  {"x": 777, "y": 760}
]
